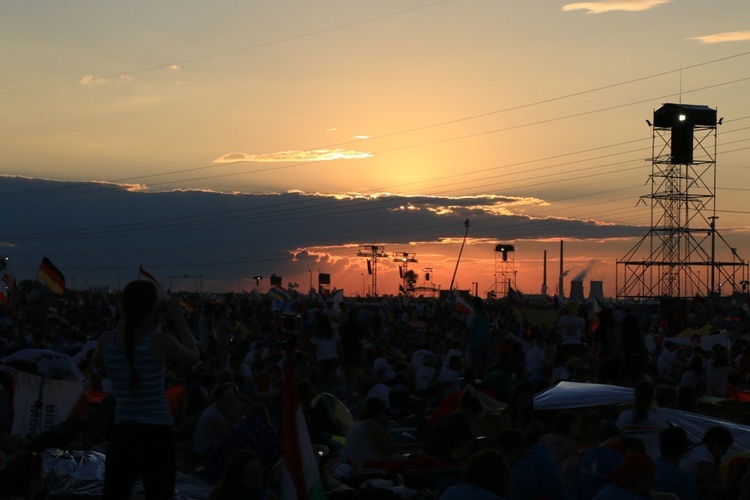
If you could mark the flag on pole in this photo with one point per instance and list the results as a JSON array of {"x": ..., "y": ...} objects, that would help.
[
  {"x": 146, "y": 276},
  {"x": 186, "y": 304},
  {"x": 300, "y": 479},
  {"x": 462, "y": 306},
  {"x": 594, "y": 312},
  {"x": 11, "y": 301},
  {"x": 337, "y": 297},
  {"x": 515, "y": 297},
  {"x": 278, "y": 293},
  {"x": 51, "y": 276}
]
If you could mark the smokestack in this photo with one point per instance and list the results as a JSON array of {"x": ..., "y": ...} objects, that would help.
[
  {"x": 560, "y": 289},
  {"x": 576, "y": 291},
  {"x": 596, "y": 291},
  {"x": 544, "y": 277}
]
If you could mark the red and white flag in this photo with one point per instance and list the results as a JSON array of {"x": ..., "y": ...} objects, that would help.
[
  {"x": 300, "y": 479},
  {"x": 146, "y": 276},
  {"x": 462, "y": 306}
]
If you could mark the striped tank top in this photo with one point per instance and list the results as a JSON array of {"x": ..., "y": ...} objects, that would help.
[{"x": 147, "y": 403}]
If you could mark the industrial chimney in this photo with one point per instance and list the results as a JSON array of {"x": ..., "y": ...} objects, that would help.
[
  {"x": 576, "y": 291},
  {"x": 596, "y": 291}
]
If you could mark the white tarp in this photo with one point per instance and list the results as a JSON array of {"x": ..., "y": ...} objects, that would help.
[
  {"x": 48, "y": 388},
  {"x": 46, "y": 363},
  {"x": 707, "y": 342},
  {"x": 570, "y": 395},
  {"x": 41, "y": 403}
]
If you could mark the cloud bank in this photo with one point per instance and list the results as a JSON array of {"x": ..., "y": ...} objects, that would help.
[
  {"x": 604, "y": 6},
  {"x": 294, "y": 156},
  {"x": 99, "y": 233},
  {"x": 730, "y": 36}
]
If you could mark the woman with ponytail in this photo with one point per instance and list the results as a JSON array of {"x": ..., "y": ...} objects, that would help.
[
  {"x": 642, "y": 421},
  {"x": 134, "y": 358}
]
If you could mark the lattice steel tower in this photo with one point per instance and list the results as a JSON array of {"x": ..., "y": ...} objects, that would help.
[
  {"x": 374, "y": 253},
  {"x": 505, "y": 269},
  {"x": 683, "y": 237}
]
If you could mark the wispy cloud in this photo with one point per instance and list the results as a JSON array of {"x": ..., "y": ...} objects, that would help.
[
  {"x": 98, "y": 80},
  {"x": 729, "y": 36},
  {"x": 287, "y": 156},
  {"x": 92, "y": 80},
  {"x": 604, "y": 6}
]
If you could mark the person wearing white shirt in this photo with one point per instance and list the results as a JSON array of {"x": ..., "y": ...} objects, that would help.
[
  {"x": 704, "y": 460},
  {"x": 534, "y": 360},
  {"x": 641, "y": 421},
  {"x": 426, "y": 378},
  {"x": 570, "y": 330},
  {"x": 448, "y": 380},
  {"x": 662, "y": 362}
]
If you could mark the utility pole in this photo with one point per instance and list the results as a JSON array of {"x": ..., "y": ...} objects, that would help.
[{"x": 467, "y": 223}]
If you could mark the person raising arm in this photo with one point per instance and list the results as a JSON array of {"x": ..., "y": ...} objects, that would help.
[{"x": 134, "y": 358}]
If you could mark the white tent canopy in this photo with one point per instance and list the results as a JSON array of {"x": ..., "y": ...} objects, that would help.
[{"x": 571, "y": 395}]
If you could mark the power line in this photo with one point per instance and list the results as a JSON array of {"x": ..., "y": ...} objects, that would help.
[{"x": 230, "y": 52}]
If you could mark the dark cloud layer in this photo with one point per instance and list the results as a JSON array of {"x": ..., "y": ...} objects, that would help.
[{"x": 98, "y": 234}]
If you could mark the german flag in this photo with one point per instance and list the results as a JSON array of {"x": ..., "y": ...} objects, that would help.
[{"x": 51, "y": 276}]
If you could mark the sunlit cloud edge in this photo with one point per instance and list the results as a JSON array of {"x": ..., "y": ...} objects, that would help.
[
  {"x": 729, "y": 36},
  {"x": 314, "y": 155},
  {"x": 605, "y": 6}
]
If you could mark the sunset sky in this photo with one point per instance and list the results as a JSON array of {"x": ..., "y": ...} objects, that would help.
[{"x": 231, "y": 138}]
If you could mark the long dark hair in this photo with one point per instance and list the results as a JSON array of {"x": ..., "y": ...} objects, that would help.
[
  {"x": 606, "y": 323},
  {"x": 323, "y": 328},
  {"x": 138, "y": 303},
  {"x": 643, "y": 396},
  {"x": 514, "y": 407}
]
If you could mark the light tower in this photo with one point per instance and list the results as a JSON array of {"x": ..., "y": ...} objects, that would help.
[
  {"x": 682, "y": 239},
  {"x": 505, "y": 269},
  {"x": 403, "y": 260},
  {"x": 373, "y": 253}
]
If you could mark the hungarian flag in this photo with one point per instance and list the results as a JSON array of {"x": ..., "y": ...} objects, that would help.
[
  {"x": 51, "y": 276},
  {"x": 146, "y": 276},
  {"x": 300, "y": 479}
]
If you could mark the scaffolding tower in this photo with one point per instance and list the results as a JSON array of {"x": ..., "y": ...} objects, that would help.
[
  {"x": 373, "y": 254},
  {"x": 683, "y": 239},
  {"x": 505, "y": 269},
  {"x": 407, "y": 279}
]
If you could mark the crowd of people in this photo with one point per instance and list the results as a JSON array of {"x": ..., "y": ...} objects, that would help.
[{"x": 405, "y": 397}]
